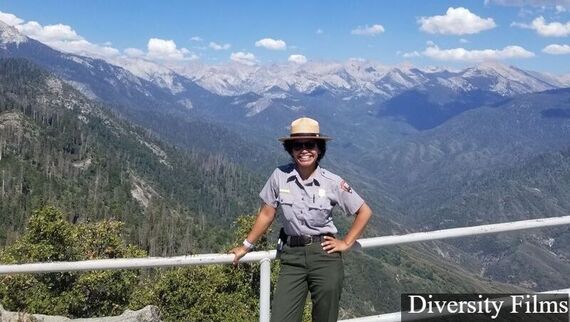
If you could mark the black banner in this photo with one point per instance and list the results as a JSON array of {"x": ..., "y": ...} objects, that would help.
[{"x": 485, "y": 307}]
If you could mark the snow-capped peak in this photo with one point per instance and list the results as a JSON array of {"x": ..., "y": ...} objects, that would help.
[
  {"x": 357, "y": 77},
  {"x": 509, "y": 80},
  {"x": 9, "y": 34}
]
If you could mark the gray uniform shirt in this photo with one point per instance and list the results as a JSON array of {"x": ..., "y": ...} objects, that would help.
[{"x": 307, "y": 204}]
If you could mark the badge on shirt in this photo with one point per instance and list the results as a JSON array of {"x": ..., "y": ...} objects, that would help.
[
  {"x": 344, "y": 186},
  {"x": 322, "y": 192}
]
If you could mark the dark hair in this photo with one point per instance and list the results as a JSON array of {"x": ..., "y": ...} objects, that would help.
[{"x": 322, "y": 144}]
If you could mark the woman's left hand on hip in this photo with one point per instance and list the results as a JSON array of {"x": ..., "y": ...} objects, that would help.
[{"x": 331, "y": 245}]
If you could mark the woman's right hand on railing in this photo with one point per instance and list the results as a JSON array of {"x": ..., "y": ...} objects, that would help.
[{"x": 239, "y": 252}]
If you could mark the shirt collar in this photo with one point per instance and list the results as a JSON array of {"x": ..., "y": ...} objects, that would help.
[{"x": 316, "y": 177}]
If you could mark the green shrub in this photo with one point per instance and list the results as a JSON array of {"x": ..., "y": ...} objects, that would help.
[{"x": 49, "y": 237}]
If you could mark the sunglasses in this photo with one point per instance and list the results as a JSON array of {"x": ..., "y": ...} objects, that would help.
[{"x": 308, "y": 145}]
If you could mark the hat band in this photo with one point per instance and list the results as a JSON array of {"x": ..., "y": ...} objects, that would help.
[{"x": 305, "y": 134}]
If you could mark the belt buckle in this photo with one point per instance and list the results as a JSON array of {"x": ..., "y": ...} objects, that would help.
[{"x": 307, "y": 240}]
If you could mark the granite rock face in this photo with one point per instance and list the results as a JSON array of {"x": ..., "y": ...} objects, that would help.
[{"x": 147, "y": 314}]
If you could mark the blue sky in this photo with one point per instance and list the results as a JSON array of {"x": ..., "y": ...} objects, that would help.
[{"x": 532, "y": 34}]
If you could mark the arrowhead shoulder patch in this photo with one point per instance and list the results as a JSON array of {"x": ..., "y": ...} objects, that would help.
[{"x": 345, "y": 186}]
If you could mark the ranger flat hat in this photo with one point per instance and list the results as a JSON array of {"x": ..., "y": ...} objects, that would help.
[{"x": 305, "y": 128}]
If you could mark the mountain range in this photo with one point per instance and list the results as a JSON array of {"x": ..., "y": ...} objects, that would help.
[{"x": 355, "y": 79}]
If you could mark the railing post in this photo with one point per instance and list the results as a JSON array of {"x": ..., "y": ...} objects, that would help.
[{"x": 264, "y": 289}]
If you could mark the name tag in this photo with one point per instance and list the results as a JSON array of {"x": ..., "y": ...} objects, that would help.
[{"x": 284, "y": 191}]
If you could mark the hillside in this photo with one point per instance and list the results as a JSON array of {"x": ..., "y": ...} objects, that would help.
[
  {"x": 535, "y": 189},
  {"x": 58, "y": 147},
  {"x": 505, "y": 134}
]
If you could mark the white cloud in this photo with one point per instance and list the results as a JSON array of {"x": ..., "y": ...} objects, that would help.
[
  {"x": 556, "y": 49},
  {"x": 133, "y": 52},
  {"x": 411, "y": 54},
  {"x": 63, "y": 37},
  {"x": 244, "y": 58},
  {"x": 368, "y": 30},
  {"x": 271, "y": 44},
  {"x": 530, "y": 3},
  {"x": 521, "y": 25},
  {"x": 10, "y": 19},
  {"x": 197, "y": 38},
  {"x": 463, "y": 41},
  {"x": 216, "y": 46},
  {"x": 461, "y": 54},
  {"x": 553, "y": 29},
  {"x": 456, "y": 21},
  {"x": 162, "y": 49},
  {"x": 49, "y": 33},
  {"x": 299, "y": 59},
  {"x": 319, "y": 31},
  {"x": 84, "y": 48},
  {"x": 560, "y": 9},
  {"x": 525, "y": 12}
]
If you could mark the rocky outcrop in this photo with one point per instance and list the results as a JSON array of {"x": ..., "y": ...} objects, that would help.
[{"x": 147, "y": 314}]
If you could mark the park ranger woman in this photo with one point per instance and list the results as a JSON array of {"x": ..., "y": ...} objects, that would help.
[{"x": 311, "y": 258}]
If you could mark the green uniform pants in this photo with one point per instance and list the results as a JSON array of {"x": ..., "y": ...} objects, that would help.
[{"x": 304, "y": 269}]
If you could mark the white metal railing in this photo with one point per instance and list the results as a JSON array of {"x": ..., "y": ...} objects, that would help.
[{"x": 265, "y": 257}]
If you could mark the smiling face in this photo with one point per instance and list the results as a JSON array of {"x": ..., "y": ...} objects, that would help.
[{"x": 305, "y": 153}]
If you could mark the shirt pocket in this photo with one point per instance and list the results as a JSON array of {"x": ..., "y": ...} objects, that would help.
[
  {"x": 320, "y": 212},
  {"x": 287, "y": 203}
]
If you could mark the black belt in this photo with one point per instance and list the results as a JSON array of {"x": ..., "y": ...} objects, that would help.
[{"x": 304, "y": 240}]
